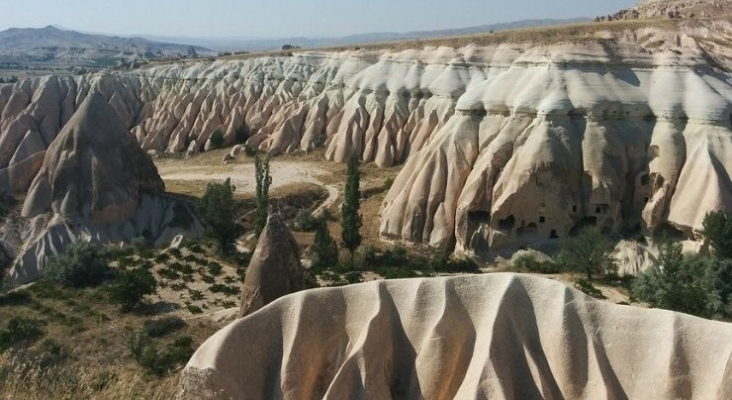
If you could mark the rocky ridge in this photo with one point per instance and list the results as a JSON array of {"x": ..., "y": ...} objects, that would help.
[
  {"x": 486, "y": 336},
  {"x": 502, "y": 143},
  {"x": 95, "y": 183}
]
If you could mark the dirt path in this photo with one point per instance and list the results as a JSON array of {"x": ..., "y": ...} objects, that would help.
[{"x": 242, "y": 175}]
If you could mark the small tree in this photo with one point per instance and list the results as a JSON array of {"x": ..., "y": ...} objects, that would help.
[
  {"x": 83, "y": 264},
  {"x": 131, "y": 286},
  {"x": 588, "y": 252},
  {"x": 718, "y": 229},
  {"x": 261, "y": 166},
  {"x": 325, "y": 249},
  {"x": 217, "y": 209},
  {"x": 350, "y": 217},
  {"x": 217, "y": 139}
]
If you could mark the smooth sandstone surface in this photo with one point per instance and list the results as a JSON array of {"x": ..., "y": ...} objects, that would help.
[{"x": 497, "y": 336}]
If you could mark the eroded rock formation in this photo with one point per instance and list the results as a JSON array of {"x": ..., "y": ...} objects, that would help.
[
  {"x": 489, "y": 336},
  {"x": 565, "y": 136},
  {"x": 503, "y": 142},
  {"x": 274, "y": 270},
  {"x": 95, "y": 183}
]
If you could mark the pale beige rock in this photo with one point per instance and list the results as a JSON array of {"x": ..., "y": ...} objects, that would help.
[
  {"x": 95, "y": 184},
  {"x": 502, "y": 336},
  {"x": 615, "y": 128},
  {"x": 274, "y": 270},
  {"x": 635, "y": 148}
]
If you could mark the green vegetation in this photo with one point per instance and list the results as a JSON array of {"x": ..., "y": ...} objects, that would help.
[
  {"x": 695, "y": 285},
  {"x": 588, "y": 252},
  {"x": 444, "y": 263},
  {"x": 83, "y": 264},
  {"x": 589, "y": 289},
  {"x": 264, "y": 180},
  {"x": 217, "y": 139},
  {"x": 164, "y": 326},
  {"x": 20, "y": 330},
  {"x": 528, "y": 262},
  {"x": 304, "y": 221},
  {"x": 131, "y": 286},
  {"x": 216, "y": 207},
  {"x": 325, "y": 249},
  {"x": 718, "y": 229},
  {"x": 350, "y": 217},
  {"x": 156, "y": 361}
]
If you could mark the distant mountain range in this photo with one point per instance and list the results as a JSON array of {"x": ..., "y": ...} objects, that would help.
[
  {"x": 56, "y": 47},
  {"x": 258, "y": 44},
  {"x": 53, "y": 46}
]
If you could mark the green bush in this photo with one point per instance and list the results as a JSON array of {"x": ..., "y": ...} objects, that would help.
[
  {"x": 217, "y": 209},
  {"x": 159, "y": 363},
  {"x": 395, "y": 256},
  {"x": 217, "y": 139},
  {"x": 588, "y": 288},
  {"x": 304, "y": 221},
  {"x": 325, "y": 249},
  {"x": 131, "y": 286},
  {"x": 718, "y": 229},
  {"x": 224, "y": 289},
  {"x": 214, "y": 268},
  {"x": 19, "y": 331},
  {"x": 588, "y": 252},
  {"x": 388, "y": 183},
  {"x": 162, "y": 326},
  {"x": 444, "y": 263},
  {"x": 695, "y": 285},
  {"x": 527, "y": 262},
  {"x": 83, "y": 264},
  {"x": 175, "y": 252}
]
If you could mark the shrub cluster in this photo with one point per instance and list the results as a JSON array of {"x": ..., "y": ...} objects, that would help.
[
  {"x": 83, "y": 264},
  {"x": 20, "y": 330}
]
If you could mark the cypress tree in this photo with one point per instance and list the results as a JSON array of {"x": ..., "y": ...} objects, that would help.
[
  {"x": 350, "y": 217},
  {"x": 264, "y": 179},
  {"x": 325, "y": 249}
]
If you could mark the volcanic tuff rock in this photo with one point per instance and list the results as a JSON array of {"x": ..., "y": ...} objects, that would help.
[
  {"x": 501, "y": 336},
  {"x": 95, "y": 183},
  {"x": 620, "y": 126},
  {"x": 274, "y": 270},
  {"x": 598, "y": 134}
]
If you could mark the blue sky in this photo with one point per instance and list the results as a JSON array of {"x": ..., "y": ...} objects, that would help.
[{"x": 285, "y": 18}]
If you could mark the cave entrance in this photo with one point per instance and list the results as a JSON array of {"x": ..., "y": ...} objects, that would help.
[{"x": 507, "y": 224}]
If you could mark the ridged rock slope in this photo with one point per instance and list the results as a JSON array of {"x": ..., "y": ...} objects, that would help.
[
  {"x": 505, "y": 142},
  {"x": 95, "y": 183},
  {"x": 608, "y": 134},
  {"x": 501, "y": 336}
]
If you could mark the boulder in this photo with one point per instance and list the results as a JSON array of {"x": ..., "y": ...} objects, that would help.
[{"x": 274, "y": 270}]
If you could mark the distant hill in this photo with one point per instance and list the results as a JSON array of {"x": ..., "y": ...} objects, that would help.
[
  {"x": 51, "y": 46},
  {"x": 256, "y": 44}
]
